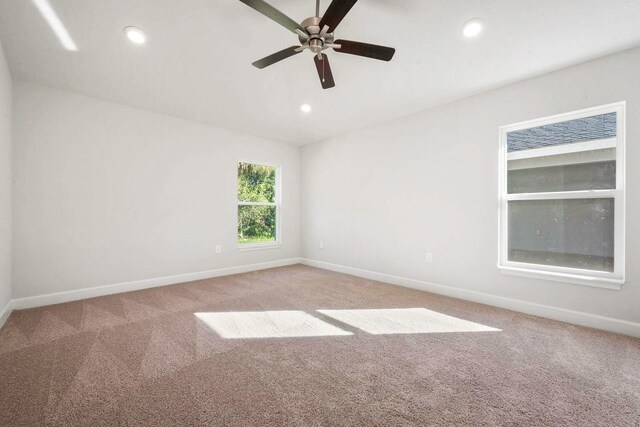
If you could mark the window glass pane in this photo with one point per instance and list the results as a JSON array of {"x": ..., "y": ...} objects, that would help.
[
  {"x": 602, "y": 126},
  {"x": 256, "y": 183},
  {"x": 256, "y": 224},
  {"x": 568, "y": 233},
  {"x": 567, "y": 177}
]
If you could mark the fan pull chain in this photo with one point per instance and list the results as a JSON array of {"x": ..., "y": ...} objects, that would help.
[{"x": 322, "y": 69}]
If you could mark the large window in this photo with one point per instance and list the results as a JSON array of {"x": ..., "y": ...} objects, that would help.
[
  {"x": 562, "y": 197},
  {"x": 258, "y": 205}
]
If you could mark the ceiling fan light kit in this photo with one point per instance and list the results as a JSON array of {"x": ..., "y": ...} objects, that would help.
[{"x": 316, "y": 34}]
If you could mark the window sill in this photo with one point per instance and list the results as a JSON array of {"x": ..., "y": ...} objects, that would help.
[
  {"x": 258, "y": 246},
  {"x": 575, "y": 279}
]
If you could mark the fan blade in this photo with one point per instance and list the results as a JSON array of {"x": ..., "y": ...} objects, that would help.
[
  {"x": 271, "y": 12},
  {"x": 324, "y": 71},
  {"x": 336, "y": 11},
  {"x": 277, "y": 57},
  {"x": 382, "y": 53}
]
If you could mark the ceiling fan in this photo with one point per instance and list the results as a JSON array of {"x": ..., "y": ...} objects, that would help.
[{"x": 316, "y": 34}]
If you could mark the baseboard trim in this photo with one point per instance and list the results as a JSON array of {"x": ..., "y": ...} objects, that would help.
[
  {"x": 570, "y": 316},
  {"x": 5, "y": 313},
  {"x": 79, "y": 294}
]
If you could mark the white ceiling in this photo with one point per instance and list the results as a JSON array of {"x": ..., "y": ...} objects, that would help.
[{"x": 197, "y": 63}]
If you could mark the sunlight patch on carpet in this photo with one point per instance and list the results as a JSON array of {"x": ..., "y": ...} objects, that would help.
[
  {"x": 268, "y": 324},
  {"x": 404, "y": 321}
]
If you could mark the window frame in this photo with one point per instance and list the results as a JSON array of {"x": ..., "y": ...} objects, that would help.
[
  {"x": 609, "y": 280},
  {"x": 277, "y": 203}
]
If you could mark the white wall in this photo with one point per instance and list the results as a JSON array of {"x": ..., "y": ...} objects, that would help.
[
  {"x": 5, "y": 183},
  {"x": 106, "y": 194},
  {"x": 382, "y": 197}
]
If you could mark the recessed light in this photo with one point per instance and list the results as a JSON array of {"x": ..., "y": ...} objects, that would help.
[
  {"x": 135, "y": 35},
  {"x": 473, "y": 28},
  {"x": 305, "y": 108}
]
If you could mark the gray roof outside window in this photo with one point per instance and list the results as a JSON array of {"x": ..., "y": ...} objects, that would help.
[{"x": 592, "y": 128}]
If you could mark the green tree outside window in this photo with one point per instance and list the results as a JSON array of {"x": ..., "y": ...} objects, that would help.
[{"x": 257, "y": 198}]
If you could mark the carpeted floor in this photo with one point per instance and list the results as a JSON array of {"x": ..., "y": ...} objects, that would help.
[{"x": 255, "y": 349}]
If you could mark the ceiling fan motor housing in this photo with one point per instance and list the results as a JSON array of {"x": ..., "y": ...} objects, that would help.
[{"x": 316, "y": 40}]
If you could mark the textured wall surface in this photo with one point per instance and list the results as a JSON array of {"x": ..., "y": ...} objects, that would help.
[
  {"x": 382, "y": 197},
  {"x": 106, "y": 194}
]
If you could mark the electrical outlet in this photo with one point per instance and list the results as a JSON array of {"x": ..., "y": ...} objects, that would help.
[
  {"x": 429, "y": 258},
  {"x": 321, "y": 244},
  {"x": 218, "y": 249}
]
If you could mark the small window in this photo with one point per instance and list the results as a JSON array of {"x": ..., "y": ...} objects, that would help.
[
  {"x": 562, "y": 197},
  {"x": 258, "y": 205}
]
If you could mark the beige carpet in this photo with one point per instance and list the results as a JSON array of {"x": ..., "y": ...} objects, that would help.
[{"x": 306, "y": 347}]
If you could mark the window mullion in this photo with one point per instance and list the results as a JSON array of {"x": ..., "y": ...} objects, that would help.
[
  {"x": 256, "y": 204},
  {"x": 563, "y": 195}
]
